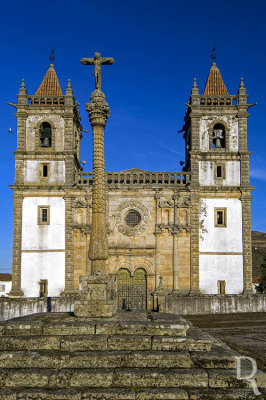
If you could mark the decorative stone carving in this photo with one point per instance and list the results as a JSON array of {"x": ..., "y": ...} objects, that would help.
[
  {"x": 121, "y": 213},
  {"x": 182, "y": 201},
  {"x": 79, "y": 203},
  {"x": 166, "y": 204}
]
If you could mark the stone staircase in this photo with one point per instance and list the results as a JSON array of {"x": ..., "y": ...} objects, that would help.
[{"x": 133, "y": 356}]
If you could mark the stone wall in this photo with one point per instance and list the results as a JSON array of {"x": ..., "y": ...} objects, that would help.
[
  {"x": 184, "y": 305},
  {"x": 213, "y": 304},
  {"x": 14, "y": 308}
]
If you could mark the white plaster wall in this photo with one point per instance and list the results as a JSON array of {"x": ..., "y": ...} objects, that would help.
[
  {"x": 207, "y": 171},
  {"x": 8, "y": 285},
  {"x": 43, "y": 237},
  {"x": 214, "y": 267},
  {"x": 33, "y": 120},
  {"x": 205, "y": 123},
  {"x": 37, "y": 266},
  {"x": 228, "y": 268},
  {"x": 214, "y": 239},
  {"x": 32, "y": 171}
]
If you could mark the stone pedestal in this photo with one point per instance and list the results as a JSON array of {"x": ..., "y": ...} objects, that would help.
[{"x": 97, "y": 297}]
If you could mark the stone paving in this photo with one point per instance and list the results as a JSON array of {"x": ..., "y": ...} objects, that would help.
[{"x": 245, "y": 333}]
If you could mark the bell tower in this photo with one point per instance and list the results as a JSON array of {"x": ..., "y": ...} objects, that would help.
[
  {"x": 218, "y": 158},
  {"x": 46, "y": 161}
]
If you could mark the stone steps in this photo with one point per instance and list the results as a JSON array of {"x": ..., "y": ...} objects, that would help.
[
  {"x": 119, "y": 378},
  {"x": 114, "y": 359},
  {"x": 104, "y": 342},
  {"x": 126, "y": 394},
  {"x": 176, "y": 327},
  {"x": 63, "y": 358}
]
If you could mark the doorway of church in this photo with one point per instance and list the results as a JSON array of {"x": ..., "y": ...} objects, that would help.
[{"x": 132, "y": 290}]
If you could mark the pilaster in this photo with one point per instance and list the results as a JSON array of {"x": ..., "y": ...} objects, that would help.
[
  {"x": 21, "y": 115},
  {"x": 195, "y": 115},
  {"x": 69, "y": 247},
  {"x": 175, "y": 232},
  {"x": 157, "y": 233},
  {"x": 194, "y": 243},
  {"x": 17, "y": 235},
  {"x": 247, "y": 247}
]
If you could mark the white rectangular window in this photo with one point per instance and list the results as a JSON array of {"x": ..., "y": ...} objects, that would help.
[
  {"x": 220, "y": 217},
  {"x": 43, "y": 215}
]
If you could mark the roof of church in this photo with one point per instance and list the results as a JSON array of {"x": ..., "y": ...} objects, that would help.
[
  {"x": 50, "y": 85},
  {"x": 215, "y": 85}
]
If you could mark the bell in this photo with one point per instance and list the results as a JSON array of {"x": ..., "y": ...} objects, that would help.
[
  {"x": 218, "y": 136},
  {"x": 45, "y": 142}
]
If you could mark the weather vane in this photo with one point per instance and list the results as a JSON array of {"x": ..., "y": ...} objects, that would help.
[
  {"x": 213, "y": 54},
  {"x": 51, "y": 56}
]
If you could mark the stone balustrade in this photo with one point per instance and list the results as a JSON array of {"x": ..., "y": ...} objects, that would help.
[
  {"x": 138, "y": 178},
  {"x": 46, "y": 101},
  {"x": 218, "y": 100}
]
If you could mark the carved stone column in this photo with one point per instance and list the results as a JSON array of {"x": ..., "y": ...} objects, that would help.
[
  {"x": 97, "y": 290},
  {"x": 98, "y": 251},
  {"x": 17, "y": 233}
]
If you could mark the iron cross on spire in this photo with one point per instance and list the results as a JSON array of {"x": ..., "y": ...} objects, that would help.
[{"x": 98, "y": 61}]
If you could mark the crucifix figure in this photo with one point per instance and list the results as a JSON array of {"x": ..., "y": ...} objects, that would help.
[{"x": 98, "y": 61}]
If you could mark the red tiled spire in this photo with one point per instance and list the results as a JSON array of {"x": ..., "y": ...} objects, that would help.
[
  {"x": 215, "y": 85},
  {"x": 50, "y": 85}
]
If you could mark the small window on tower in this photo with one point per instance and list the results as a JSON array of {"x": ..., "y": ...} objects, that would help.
[
  {"x": 46, "y": 134},
  {"x": 44, "y": 170},
  {"x": 220, "y": 217},
  {"x": 219, "y": 171},
  {"x": 43, "y": 215}
]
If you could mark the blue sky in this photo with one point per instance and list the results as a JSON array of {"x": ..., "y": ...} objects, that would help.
[{"x": 158, "y": 47}]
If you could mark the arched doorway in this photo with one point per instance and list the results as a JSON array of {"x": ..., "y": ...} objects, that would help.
[{"x": 132, "y": 291}]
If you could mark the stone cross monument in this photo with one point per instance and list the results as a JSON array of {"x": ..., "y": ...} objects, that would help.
[
  {"x": 97, "y": 61},
  {"x": 98, "y": 113},
  {"x": 96, "y": 290}
]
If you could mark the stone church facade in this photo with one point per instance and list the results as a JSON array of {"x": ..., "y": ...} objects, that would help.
[{"x": 187, "y": 232}]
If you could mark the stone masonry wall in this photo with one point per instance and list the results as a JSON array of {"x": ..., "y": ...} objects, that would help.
[
  {"x": 184, "y": 305},
  {"x": 214, "y": 304}
]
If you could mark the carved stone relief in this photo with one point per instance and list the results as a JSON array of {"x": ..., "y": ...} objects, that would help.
[{"x": 123, "y": 210}]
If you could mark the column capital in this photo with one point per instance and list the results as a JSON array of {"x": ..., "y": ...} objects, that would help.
[
  {"x": 98, "y": 109},
  {"x": 175, "y": 230}
]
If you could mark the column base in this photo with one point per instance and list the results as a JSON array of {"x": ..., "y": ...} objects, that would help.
[
  {"x": 194, "y": 292},
  {"x": 15, "y": 293},
  {"x": 94, "y": 309},
  {"x": 248, "y": 291},
  {"x": 69, "y": 292},
  {"x": 97, "y": 299}
]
